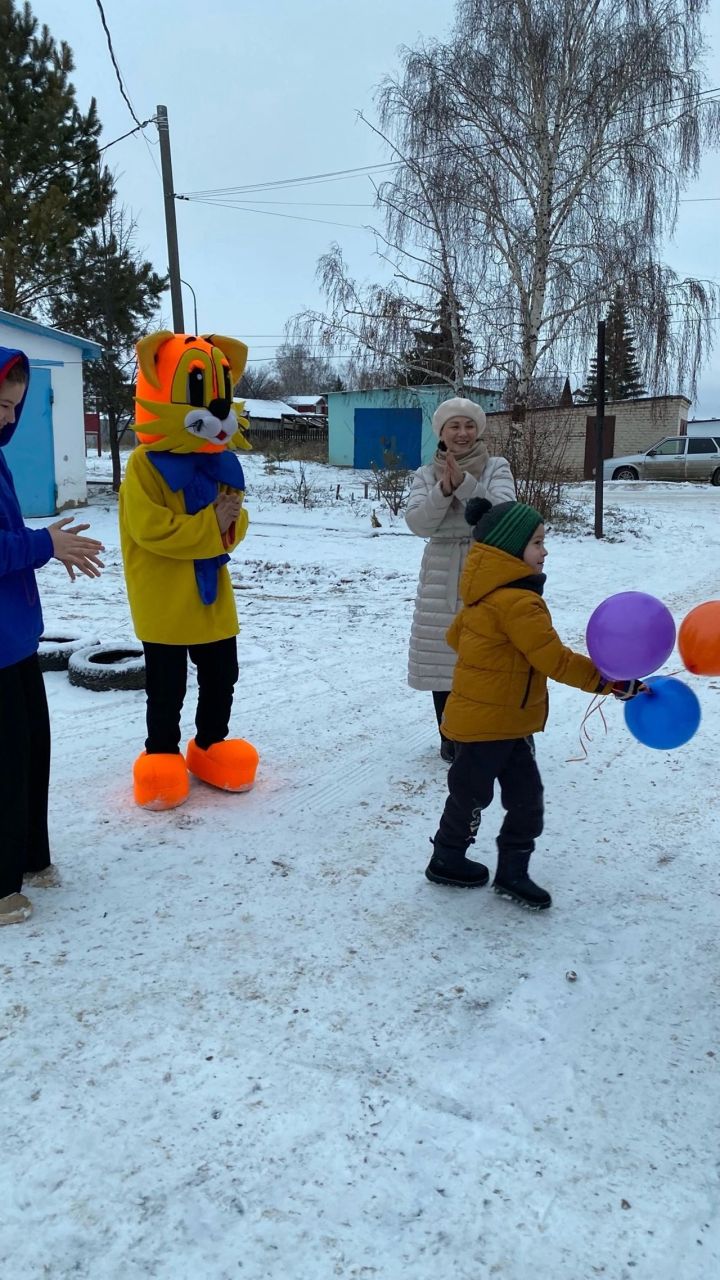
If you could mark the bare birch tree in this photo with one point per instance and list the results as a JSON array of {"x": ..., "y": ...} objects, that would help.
[
  {"x": 375, "y": 326},
  {"x": 555, "y": 137}
]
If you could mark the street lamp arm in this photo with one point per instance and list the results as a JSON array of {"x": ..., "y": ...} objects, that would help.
[{"x": 189, "y": 286}]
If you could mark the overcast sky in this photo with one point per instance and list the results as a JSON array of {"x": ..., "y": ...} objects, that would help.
[{"x": 260, "y": 90}]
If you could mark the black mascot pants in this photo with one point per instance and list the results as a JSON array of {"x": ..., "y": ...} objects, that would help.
[
  {"x": 471, "y": 782},
  {"x": 24, "y": 773},
  {"x": 166, "y": 683}
]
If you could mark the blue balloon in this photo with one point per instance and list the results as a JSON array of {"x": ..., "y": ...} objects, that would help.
[{"x": 666, "y": 717}]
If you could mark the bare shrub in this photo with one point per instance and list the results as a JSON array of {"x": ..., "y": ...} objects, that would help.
[
  {"x": 536, "y": 451},
  {"x": 392, "y": 481},
  {"x": 300, "y": 489},
  {"x": 276, "y": 452}
]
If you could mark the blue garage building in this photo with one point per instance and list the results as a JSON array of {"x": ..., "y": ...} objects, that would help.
[{"x": 364, "y": 425}]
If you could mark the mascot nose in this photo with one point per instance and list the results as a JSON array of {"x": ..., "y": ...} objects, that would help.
[{"x": 220, "y": 408}]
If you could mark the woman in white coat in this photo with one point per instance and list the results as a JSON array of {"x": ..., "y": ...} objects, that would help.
[{"x": 461, "y": 469}]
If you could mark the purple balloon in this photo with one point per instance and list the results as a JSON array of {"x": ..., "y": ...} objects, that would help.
[{"x": 630, "y": 635}]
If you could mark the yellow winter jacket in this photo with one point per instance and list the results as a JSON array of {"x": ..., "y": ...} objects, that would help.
[
  {"x": 507, "y": 648},
  {"x": 160, "y": 543}
]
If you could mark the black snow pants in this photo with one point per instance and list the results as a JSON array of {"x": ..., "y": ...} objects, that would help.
[
  {"x": 166, "y": 683},
  {"x": 24, "y": 773},
  {"x": 471, "y": 784}
]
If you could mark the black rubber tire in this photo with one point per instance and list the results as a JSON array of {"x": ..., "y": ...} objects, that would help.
[
  {"x": 54, "y": 652},
  {"x": 104, "y": 667},
  {"x": 625, "y": 473},
  {"x": 715, "y": 478}
]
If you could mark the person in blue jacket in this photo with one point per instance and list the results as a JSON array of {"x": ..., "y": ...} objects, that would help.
[{"x": 24, "y": 722}]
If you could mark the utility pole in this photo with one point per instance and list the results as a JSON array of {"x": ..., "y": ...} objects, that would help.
[
  {"x": 170, "y": 223},
  {"x": 600, "y": 429}
]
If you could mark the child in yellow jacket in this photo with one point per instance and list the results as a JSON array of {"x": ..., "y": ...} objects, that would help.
[{"x": 507, "y": 649}]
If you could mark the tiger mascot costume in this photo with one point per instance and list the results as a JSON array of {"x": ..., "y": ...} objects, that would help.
[{"x": 181, "y": 514}]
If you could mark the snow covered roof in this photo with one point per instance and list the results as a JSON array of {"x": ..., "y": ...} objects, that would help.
[
  {"x": 298, "y": 400},
  {"x": 89, "y": 350},
  {"x": 268, "y": 409}
]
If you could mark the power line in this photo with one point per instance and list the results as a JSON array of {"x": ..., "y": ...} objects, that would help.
[
  {"x": 115, "y": 65},
  {"x": 140, "y": 125},
  {"x": 293, "y": 204},
  {"x": 129, "y": 134},
  {"x": 336, "y": 175},
  {"x": 271, "y": 213},
  {"x": 74, "y": 163},
  {"x": 333, "y": 175}
]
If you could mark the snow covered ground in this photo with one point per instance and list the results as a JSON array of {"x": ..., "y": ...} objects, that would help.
[{"x": 248, "y": 1039}]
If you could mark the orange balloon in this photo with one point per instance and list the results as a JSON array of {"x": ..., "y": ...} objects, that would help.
[{"x": 699, "y": 639}]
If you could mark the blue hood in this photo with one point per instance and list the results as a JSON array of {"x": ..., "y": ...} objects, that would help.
[{"x": 9, "y": 357}]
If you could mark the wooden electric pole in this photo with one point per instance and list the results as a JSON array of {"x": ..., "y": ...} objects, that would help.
[
  {"x": 600, "y": 429},
  {"x": 170, "y": 222}
]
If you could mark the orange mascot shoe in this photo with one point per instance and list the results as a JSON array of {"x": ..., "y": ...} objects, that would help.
[
  {"x": 230, "y": 765},
  {"x": 160, "y": 781}
]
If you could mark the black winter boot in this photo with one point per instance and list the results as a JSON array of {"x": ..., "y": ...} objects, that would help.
[
  {"x": 450, "y": 866},
  {"x": 512, "y": 881},
  {"x": 447, "y": 750}
]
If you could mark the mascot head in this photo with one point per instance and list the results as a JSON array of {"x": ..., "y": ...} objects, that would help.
[{"x": 184, "y": 395}]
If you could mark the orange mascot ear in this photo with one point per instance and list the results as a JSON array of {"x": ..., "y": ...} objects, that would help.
[
  {"x": 235, "y": 351},
  {"x": 147, "y": 349}
]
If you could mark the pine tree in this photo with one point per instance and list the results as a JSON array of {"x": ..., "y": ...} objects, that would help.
[
  {"x": 52, "y": 186},
  {"x": 432, "y": 358},
  {"x": 110, "y": 294},
  {"x": 623, "y": 379}
]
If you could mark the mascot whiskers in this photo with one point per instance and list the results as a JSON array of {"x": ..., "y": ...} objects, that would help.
[{"x": 181, "y": 514}]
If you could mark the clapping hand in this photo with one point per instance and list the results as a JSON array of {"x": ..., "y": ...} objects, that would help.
[
  {"x": 74, "y": 551},
  {"x": 227, "y": 509},
  {"x": 452, "y": 476}
]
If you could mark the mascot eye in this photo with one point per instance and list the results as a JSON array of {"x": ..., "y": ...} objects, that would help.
[
  {"x": 196, "y": 388},
  {"x": 228, "y": 385}
]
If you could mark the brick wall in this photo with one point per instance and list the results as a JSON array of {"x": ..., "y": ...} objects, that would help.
[{"x": 638, "y": 425}]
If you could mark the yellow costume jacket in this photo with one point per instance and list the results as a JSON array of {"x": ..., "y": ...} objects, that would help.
[
  {"x": 160, "y": 544},
  {"x": 507, "y": 648},
  {"x": 173, "y": 551}
]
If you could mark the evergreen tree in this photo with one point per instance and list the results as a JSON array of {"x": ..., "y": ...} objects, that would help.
[
  {"x": 432, "y": 358},
  {"x": 110, "y": 294},
  {"x": 623, "y": 379},
  {"x": 52, "y": 187}
]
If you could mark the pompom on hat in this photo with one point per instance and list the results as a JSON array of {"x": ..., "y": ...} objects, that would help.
[
  {"x": 457, "y": 407},
  {"x": 509, "y": 526}
]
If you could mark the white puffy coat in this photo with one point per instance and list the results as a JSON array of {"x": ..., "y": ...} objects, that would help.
[{"x": 431, "y": 514}]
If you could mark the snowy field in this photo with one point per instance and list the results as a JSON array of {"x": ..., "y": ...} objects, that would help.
[{"x": 246, "y": 1038}]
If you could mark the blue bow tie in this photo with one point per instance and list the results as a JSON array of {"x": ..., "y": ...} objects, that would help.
[{"x": 200, "y": 475}]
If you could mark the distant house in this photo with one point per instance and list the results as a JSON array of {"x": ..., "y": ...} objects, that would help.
[
  {"x": 47, "y": 455},
  {"x": 267, "y": 415},
  {"x": 309, "y": 404},
  {"x": 278, "y": 420}
]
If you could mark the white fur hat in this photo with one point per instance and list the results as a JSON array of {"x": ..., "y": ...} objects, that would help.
[{"x": 457, "y": 407}]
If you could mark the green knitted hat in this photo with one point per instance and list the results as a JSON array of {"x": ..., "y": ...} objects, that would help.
[{"x": 508, "y": 526}]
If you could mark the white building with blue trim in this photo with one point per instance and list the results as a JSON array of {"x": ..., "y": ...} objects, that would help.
[{"x": 47, "y": 454}]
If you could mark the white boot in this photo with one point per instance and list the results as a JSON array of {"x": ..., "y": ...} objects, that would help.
[
  {"x": 48, "y": 878},
  {"x": 15, "y": 908}
]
